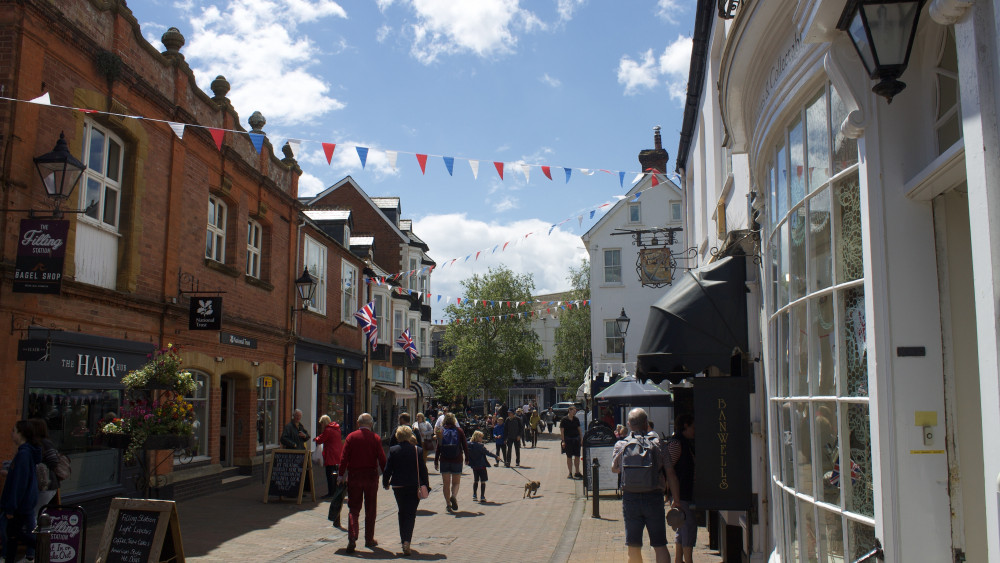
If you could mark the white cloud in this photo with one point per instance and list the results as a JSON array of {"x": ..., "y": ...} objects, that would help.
[
  {"x": 546, "y": 257},
  {"x": 667, "y": 9},
  {"x": 506, "y": 203},
  {"x": 310, "y": 185},
  {"x": 567, "y": 7},
  {"x": 670, "y": 68},
  {"x": 484, "y": 28},
  {"x": 255, "y": 44},
  {"x": 550, "y": 80}
]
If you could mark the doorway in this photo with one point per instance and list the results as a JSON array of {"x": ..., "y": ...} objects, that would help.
[{"x": 226, "y": 422}]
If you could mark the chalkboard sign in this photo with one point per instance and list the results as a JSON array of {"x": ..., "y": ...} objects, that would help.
[
  {"x": 68, "y": 538},
  {"x": 290, "y": 474},
  {"x": 141, "y": 531},
  {"x": 599, "y": 435}
]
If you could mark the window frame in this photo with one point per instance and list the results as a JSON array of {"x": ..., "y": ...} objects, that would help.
[
  {"x": 255, "y": 252},
  {"x": 314, "y": 257},
  {"x": 272, "y": 403},
  {"x": 101, "y": 177},
  {"x": 635, "y": 205},
  {"x": 613, "y": 344},
  {"x": 219, "y": 209},
  {"x": 349, "y": 292},
  {"x": 610, "y": 268}
]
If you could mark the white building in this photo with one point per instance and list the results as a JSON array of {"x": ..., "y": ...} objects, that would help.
[
  {"x": 873, "y": 313},
  {"x": 614, "y": 279}
]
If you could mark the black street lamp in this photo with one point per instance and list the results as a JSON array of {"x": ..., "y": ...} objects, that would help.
[
  {"x": 60, "y": 171},
  {"x": 622, "y": 322},
  {"x": 306, "y": 287},
  {"x": 882, "y": 32}
]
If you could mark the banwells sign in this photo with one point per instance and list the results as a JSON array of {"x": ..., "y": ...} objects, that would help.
[{"x": 723, "y": 469}]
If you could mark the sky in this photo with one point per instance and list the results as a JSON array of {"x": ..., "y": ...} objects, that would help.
[{"x": 576, "y": 84}]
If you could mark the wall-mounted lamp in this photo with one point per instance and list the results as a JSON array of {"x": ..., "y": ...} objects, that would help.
[
  {"x": 622, "y": 322},
  {"x": 882, "y": 32},
  {"x": 255, "y": 364},
  {"x": 60, "y": 171},
  {"x": 219, "y": 359},
  {"x": 306, "y": 288}
]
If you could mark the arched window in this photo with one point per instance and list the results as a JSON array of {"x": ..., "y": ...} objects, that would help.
[
  {"x": 199, "y": 400},
  {"x": 947, "y": 121},
  {"x": 268, "y": 394}
]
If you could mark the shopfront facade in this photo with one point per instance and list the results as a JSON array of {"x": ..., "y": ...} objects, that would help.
[{"x": 878, "y": 279}]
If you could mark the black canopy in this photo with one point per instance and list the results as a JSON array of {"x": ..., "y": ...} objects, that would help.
[
  {"x": 700, "y": 322},
  {"x": 628, "y": 391}
]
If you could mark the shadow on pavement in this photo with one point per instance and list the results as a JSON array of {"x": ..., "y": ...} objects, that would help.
[{"x": 465, "y": 514}]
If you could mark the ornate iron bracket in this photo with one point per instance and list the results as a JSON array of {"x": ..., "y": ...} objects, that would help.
[
  {"x": 727, "y": 8},
  {"x": 193, "y": 284},
  {"x": 655, "y": 264}
]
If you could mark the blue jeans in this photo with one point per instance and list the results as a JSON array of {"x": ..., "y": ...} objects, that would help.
[{"x": 644, "y": 510}]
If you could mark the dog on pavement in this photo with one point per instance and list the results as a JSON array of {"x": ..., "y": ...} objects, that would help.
[{"x": 530, "y": 489}]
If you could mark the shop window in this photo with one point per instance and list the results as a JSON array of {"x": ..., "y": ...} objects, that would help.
[
  {"x": 199, "y": 403},
  {"x": 215, "y": 237},
  {"x": 613, "y": 340},
  {"x": 947, "y": 123},
  {"x": 98, "y": 230},
  {"x": 314, "y": 257},
  {"x": 255, "y": 238},
  {"x": 613, "y": 265},
  {"x": 339, "y": 400},
  {"x": 268, "y": 421},
  {"x": 74, "y": 418},
  {"x": 349, "y": 280}
]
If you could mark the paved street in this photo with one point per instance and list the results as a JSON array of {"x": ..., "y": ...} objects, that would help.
[{"x": 556, "y": 526}]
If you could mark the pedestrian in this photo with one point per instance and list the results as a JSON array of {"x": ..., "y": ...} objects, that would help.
[
  {"x": 331, "y": 440},
  {"x": 404, "y": 420},
  {"x": 452, "y": 449},
  {"x": 569, "y": 430},
  {"x": 511, "y": 438},
  {"x": 535, "y": 421},
  {"x": 550, "y": 419},
  {"x": 405, "y": 472},
  {"x": 681, "y": 450},
  {"x": 620, "y": 431},
  {"x": 294, "y": 435},
  {"x": 20, "y": 491},
  {"x": 479, "y": 463},
  {"x": 50, "y": 456},
  {"x": 362, "y": 460},
  {"x": 498, "y": 439},
  {"x": 642, "y": 462},
  {"x": 426, "y": 433}
]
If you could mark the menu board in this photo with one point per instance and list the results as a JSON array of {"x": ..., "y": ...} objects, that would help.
[
  {"x": 141, "y": 531},
  {"x": 67, "y": 541},
  {"x": 290, "y": 474}
]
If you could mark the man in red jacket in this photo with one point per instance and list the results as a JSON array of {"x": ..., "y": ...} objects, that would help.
[{"x": 362, "y": 460}]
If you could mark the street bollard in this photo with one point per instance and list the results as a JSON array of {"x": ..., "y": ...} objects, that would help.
[
  {"x": 43, "y": 533},
  {"x": 594, "y": 482}
]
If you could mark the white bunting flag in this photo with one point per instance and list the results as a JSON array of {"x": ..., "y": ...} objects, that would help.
[
  {"x": 475, "y": 168},
  {"x": 43, "y": 100},
  {"x": 178, "y": 129},
  {"x": 294, "y": 144},
  {"x": 525, "y": 169},
  {"x": 579, "y": 220},
  {"x": 391, "y": 157}
]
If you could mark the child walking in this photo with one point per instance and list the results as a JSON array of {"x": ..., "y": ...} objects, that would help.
[{"x": 479, "y": 463}]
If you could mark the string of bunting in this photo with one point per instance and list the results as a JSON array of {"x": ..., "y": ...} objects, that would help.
[
  {"x": 562, "y": 305},
  {"x": 496, "y": 303},
  {"x": 257, "y": 140}
]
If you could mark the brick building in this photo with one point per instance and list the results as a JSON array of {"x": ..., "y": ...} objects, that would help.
[{"x": 135, "y": 261}]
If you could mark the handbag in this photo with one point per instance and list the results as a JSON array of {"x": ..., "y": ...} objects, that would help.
[{"x": 422, "y": 491}]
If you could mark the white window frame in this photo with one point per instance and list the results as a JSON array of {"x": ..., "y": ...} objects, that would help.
[
  {"x": 675, "y": 211},
  {"x": 412, "y": 273},
  {"x": 255, "y": 241},
  {"x": 216, "y": 229},
  {"x": 610, "y": 348},
  {"x": 314, "y": 258},
  {"x": 381, "y": 303},
  {"x": 607, "y": 266},
  {"x": 107, "y": 185},
  {"x": 349, "y": 289},
  {"x": 398, "y": 319},
  {"x": 638, "y": 212}
]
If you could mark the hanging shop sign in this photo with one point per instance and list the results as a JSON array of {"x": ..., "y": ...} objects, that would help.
[
  {"x": 205, "y": 313},
  {"x": 32, "y": 350},
  {"x": 237, "y": 340},
  {"x": 722, "y": 440},
  {"x": 40, "y": 252},
  {"x": 655, "y": 266}
]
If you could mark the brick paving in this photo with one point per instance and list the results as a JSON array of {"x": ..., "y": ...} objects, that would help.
[{"x": 553, "y": 527}]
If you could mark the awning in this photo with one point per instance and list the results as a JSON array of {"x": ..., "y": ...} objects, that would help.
[
  {"x": 700, "y": 322},
  {"x": 422, "y": 389},
  {"x": 398, "y": 391}
]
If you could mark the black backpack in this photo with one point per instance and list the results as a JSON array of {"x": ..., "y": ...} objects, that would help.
[
  {"x": 640, "y": 468},
  {"x": 449, "y": 442}
]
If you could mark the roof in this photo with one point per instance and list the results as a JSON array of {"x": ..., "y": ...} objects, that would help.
[
  {"x": 328, "y": 214},
  {"x": 347, "y": 180},
  {"x": 560, "y": 296},
  {"x": 406, "y": 224},
  {"x": 645, "y": 183},
  {"x": 362, "y": 241},
  {"x": 384, "y": 202}
]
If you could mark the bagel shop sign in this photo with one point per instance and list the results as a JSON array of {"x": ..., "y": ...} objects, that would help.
[{"x": 41, "y": 249}]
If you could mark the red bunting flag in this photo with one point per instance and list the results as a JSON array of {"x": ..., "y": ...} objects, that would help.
[
  {"x": 504, "y": 246},
  {"x": 499, "y": 166},
  {"x": 547, "y": 171},
  {"x": 217, "y": 135},
  {"x": 422, "y": 159},
  {"x": 477, "y": 255},
  {"x": 328, "y": 149},
  {"x": 459, "y": 301},
  {"x": 484, "y": 302}
]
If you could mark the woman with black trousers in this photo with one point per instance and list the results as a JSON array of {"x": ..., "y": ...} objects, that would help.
[{"x": 405, "y": 471}]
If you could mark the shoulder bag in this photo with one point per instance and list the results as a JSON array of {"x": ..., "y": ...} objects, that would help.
[{"x": 422, "y": 491}]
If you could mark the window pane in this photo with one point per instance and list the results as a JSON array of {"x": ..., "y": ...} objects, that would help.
[
  {"x": 114, "y": 160},
  {"x": 781, "y": 176},
  {"x": 831, "y": 536},
  {"x": 775, "y": 267},
  {"x": 827, "y": 451},
  {"x": 96, "y": 160},
  {"x": 949, "y": 133},
  {"x": 845, "y": 150},
  {"x": 861, "y": 538},
  {"x": 855, "y": 361},
  {"x": 209, "y": 244},
  {"x": 93, "y": 194},
  {"x": 787, "y": 445},
  {"x": 798, "y": 353},
  {"x": 820, "y": 243},
  {"x": 861, "y": 498},
  {"x": 782, "y": 359},
  {"x": 797, "y": 156},
  {"x": 797, "y": 253},
  {"x": 783, "y": 263},
  {"x": 819, "y": 142},
  {"x": 111, "y": 206},
  {"x": 794, "y": 541},
  {"x": 847, "y": 201},
  {"x": 822, "y": 342},
  {"x": 807, "y": 532},
  {"x": 803, "y": 448},
  {"x": 211, "y": 211}
]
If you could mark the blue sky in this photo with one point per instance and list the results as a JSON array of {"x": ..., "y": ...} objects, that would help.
[{"x": 563, "y": 83}]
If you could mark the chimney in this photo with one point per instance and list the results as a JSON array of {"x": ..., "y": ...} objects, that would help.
[{"x": 654, "y": 158}]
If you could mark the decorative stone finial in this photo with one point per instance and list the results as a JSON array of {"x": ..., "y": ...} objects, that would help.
[
  {"x": 220, "y": 87},
  {"x": 287, "y": 151},
  {"x": 172, "y": 40},
  {"x": 257, "y": 122}
]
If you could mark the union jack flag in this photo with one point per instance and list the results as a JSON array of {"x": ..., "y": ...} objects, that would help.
[
  {"x": 405, "y": 342},
  {"x": 366, "y": 318},
  {"x": 834, "y": 478}
]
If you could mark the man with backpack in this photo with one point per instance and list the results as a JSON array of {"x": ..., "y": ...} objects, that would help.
[{"x": 645, "y": 471}]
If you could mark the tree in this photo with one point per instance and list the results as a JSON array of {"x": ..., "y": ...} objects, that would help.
[
  {"x": 491, "y": 342},
  {"x": 573, "y": 352}
]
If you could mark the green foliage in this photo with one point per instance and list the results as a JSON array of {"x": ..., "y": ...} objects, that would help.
[
  {"x": 489, "y": 353},
  {"x": 573, "y": 353}
]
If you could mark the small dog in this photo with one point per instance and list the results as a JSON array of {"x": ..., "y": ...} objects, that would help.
[{"x": 530, "y": 488}]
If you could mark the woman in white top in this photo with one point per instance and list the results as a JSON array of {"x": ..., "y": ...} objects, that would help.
[{"x": 426, "y": 432}]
